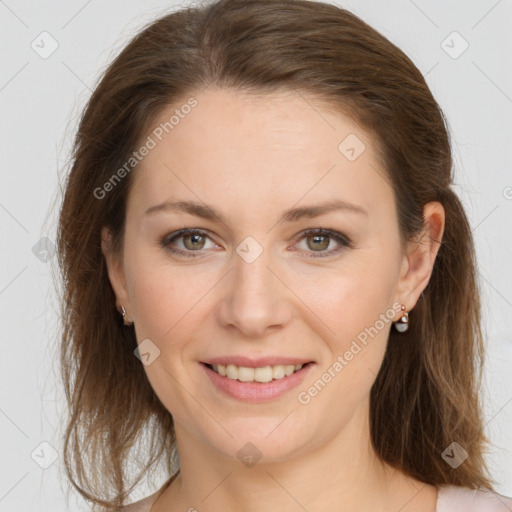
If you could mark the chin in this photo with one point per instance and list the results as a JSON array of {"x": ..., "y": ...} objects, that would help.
[{"x": 260, "y": 440}]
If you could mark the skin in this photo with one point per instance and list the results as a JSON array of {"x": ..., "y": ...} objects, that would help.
[{"x": 251, "y": 158}]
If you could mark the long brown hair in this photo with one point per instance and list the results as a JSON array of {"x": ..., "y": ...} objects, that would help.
[{"x": 426, "y": 396}]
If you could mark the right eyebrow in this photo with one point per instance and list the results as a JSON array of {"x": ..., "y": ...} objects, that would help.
[{"x": 292, "y": 215}]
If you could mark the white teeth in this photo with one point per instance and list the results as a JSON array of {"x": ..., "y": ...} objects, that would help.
[
  {"x": 289, "y": 369},
  {"x": 278, "y": 372},
  {"x": 231, "y": 372},
  {"x": 263, "y": 374},
  {"x": 245, "y": 374}
]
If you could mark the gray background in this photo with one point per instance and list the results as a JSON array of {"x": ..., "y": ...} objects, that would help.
[{"x": 41, "y": 99}]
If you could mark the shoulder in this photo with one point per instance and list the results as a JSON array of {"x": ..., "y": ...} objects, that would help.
[
  {"x": 462, "y": 499},
  {"x": 143, "y": 505}
]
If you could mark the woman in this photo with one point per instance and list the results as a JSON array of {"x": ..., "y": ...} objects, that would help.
[{"x": 269, "y": 282}]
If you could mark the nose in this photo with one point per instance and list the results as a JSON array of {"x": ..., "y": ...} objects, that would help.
[{"x": 256, "y": 299}]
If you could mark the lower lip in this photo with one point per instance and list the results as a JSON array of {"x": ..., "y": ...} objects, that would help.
[{"x": 257, "y": 391}]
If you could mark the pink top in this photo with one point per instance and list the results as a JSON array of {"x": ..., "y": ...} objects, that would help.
[
  {"x": 462, "y": 499},
  {"x": 449, "y": 499}
]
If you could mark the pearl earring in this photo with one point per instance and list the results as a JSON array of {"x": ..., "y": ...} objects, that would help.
[
  {"x": 123, "y": 312},
  {"x": 403, "y": 323}
]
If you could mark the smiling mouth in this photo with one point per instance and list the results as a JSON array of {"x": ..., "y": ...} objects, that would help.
[{"x": 262, "y": 374}]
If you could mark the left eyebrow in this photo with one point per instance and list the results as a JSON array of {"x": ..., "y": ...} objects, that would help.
[
  {"x": 316, "y": 210},
  {"x": 292, "y": 215}
]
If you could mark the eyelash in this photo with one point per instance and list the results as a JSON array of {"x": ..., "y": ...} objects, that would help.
[{"x": 344, "y": 241}]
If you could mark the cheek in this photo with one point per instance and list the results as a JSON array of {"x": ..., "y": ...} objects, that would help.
[
  {"x": 353, "y": 298},
  {"x": 356, "y": 304},
  {"x": 357, "y": 308},
  {"x": 167, "y": 304},
  {"x": 164, "y": 295}
]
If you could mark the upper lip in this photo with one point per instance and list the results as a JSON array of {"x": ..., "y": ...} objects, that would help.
[{"x": 258, "y": 362}]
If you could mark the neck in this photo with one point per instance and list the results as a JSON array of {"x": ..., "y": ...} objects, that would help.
[{"x": 342, "y": 473}]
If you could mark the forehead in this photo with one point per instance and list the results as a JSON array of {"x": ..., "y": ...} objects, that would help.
[{"x": 239, "y": 149}]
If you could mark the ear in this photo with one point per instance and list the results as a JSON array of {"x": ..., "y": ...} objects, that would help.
[
  {"x": 115, "y": 272},
  {"x": 418, "y": 262}
]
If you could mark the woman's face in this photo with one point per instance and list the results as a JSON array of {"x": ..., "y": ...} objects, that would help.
[{"x": 252, "y": 175}]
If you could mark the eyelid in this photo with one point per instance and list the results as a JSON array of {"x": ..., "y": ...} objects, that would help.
[
  {"x": 167, "y": 239},
  {"x": 344, "y": 242}
]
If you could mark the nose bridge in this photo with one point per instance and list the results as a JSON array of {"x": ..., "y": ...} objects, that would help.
[
  {"x": 251, "y": 273},
  {"x": 255, "y": 299}
]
